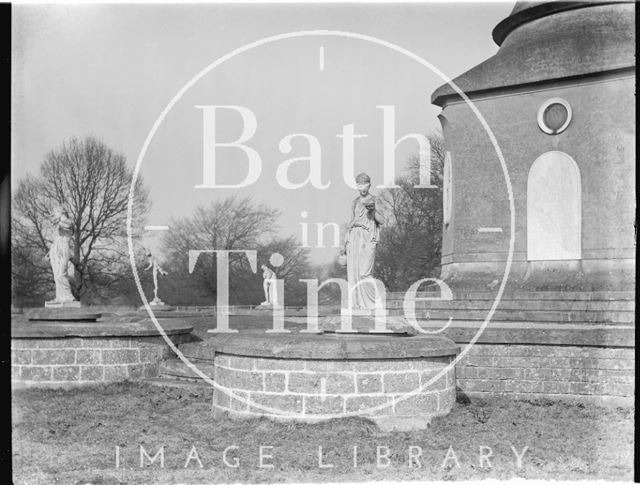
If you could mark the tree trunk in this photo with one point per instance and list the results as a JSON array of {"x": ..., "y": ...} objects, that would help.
[{"x": 78, "y": 273}]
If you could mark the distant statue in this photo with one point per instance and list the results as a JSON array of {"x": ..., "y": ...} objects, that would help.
[
  {"x": 269, "y": 286},
  {"x": 361, "y": 238},
  {"x": 156, "y": 268},
  {"x": 60, "y": 258}
]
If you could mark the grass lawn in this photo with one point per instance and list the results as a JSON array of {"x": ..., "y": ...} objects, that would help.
[{"x": 70, "y": 437}]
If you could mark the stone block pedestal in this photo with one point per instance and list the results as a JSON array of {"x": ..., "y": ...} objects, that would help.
[
  {"x": 399, "y": 382},
  {"x": 72, "y": 353}
]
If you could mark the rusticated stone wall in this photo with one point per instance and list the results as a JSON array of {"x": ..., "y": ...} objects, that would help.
[{"x": 596, "y": 374}]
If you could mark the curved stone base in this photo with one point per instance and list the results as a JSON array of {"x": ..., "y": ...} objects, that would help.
[
  {"x": 64, "y": 354},
  {"x": 398, "y": 382}
]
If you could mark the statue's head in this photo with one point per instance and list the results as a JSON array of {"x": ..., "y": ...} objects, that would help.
[{"x": 363, "y": 182}]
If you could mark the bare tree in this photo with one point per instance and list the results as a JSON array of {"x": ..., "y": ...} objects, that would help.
[
  {"x": 92, "y": 182},
  {"x": 232, "y": 223},
  {"x": 410, "y": 245},
  {"x": 30, "y": 271}
]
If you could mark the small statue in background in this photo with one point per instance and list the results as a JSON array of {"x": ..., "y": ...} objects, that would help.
[
  {"x": 269, "y": 286},
  {"x": 155, "y": 266},
  {"x": 60, "y": 258}
]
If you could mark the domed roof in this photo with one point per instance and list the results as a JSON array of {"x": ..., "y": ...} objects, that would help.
[
  {"x": 542, "y": 41},
  {"x": 527, "y": 11},
  {"x": 520, "y": 6}
]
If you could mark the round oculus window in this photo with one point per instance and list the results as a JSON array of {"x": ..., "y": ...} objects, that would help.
[{"x": 554, "y": 116}]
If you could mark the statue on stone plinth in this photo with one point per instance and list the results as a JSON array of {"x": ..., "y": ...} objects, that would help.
[
  {"x": 156, "y": 268},
  {"x": 269, "y": 287},
  {"x": 361, "y": 238},
  {"x": 60, "y": 258}
]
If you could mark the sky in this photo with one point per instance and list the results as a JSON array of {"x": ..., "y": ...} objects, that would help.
[{"x": 111, "y": 70}]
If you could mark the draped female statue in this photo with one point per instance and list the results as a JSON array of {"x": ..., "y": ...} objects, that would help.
[
  {"x": 60, "y": 257},
  {"x": 362, "y": 236}
]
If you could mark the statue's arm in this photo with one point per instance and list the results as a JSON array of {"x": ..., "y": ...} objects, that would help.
[
  {"x": 349, "y": 226},
  {"x": 353, "y": 215},
  {"x": 378, "y": 215}
]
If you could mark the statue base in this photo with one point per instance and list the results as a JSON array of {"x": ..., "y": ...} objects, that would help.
[
  {"x": 361, "y": 312},
  {"x": 267, "y": 306},
  {"x": 366, "y": 324},
  {"x": 157, "y": 305},
  {"x": 64, "y": 314},
  {"x": 62, "y": 304}
]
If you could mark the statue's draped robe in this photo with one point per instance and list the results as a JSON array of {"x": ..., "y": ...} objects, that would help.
[
  {"x": 361, "y": 251},
  {"x": 60, "y": 255}
]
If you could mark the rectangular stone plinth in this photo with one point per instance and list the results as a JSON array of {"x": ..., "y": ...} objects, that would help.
[{"x": 63, "y": 304}]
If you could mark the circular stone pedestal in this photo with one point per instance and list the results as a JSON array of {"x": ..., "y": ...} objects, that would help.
[
  {"x": 70, "y": 353},
  {"x": 400, "y": 382}
]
